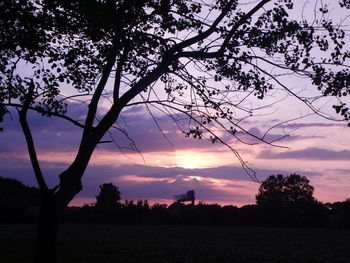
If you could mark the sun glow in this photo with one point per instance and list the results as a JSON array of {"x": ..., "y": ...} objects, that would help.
[{"x": 193, "y": 160}]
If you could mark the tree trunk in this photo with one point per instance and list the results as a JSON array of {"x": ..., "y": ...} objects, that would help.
[
  {"x": 50, "y": 215},
  {"x": 48, "y": 223}
]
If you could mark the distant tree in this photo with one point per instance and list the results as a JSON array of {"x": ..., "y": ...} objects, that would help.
[
  {"x": 17, "y": 200},
  {"x": 14, "y": 191},
  {"x": 208, "y": 61},
  {"x": 288, "y": 201},
  {"x": 109, "y": 197},
  {"x": 279, "y": 189}
]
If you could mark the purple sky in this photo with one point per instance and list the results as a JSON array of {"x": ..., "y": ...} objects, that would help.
[{"x": 318, "y": 150}]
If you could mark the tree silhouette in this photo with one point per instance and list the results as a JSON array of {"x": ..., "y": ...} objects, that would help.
[
  {"x": 206, "y": 61},
  {"x": 12, "y": 190},
  {"x": 279, "y": 189},
  {"x": 16, "y": 199},
  {"x": 288, "y": 201},
  {"x": 108, "y": 198}
]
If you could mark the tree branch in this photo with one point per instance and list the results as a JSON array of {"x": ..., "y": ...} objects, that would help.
[
  {"x": 202, "y": 54},
  {"x": 305, "y": 101},
  {"x": 75, "y": 122},
  {"x": 29, "y": 139},
  {"x": 241, "y": 22},
  {"x": 118, "y": 74},
  {"x": 100, "y": 87},
  {"x": 205, "y": 34},
  {"x": 251, "y": 173},
  {"x": 112, "y": 115}
]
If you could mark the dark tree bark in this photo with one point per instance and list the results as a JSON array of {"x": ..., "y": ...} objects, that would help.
[
  {"x": 48, "y": 223},
  {"x": 50, "y": 214}
]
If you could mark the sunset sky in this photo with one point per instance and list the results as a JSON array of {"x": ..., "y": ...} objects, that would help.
[
  {"x": 168, "y": 163},
  {"x": 318, "y": 149}
]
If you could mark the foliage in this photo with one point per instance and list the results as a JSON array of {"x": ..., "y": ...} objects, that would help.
[
  {"x": 108, "y": 198},
  {"x": 18, "y": 201},
  {"x": 12, "y": 190},
  {"x": 279, "y": 189}
]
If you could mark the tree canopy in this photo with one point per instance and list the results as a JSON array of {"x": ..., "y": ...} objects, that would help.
[
  {"x": 14, "y": 192},
  {"x": 279, "y": 189},
  {"x": 108, "y": 198}
]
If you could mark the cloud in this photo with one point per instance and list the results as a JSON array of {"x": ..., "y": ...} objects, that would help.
[
  {"x": 307, "y": 154},
  {"x": 156, "y": 134},
  {"x": 272, "y": 137},
  {"x": 225, "y": 183},
  {"x": 55, "y": 134},
  {"x": 50, "y": 134},
  {"x": 221, "y": 184},
  {"x": 345, "y": 172},
  {"x": 22, "y": 170},
  {"x": 308, "y": 125},
  {"x": 280, "y": 123},
  {"x": 221, "y": 172}
]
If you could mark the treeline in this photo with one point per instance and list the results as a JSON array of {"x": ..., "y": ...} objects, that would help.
[
  {"x": 282, "y": 201},
  {"x": 140, "y": 212}
]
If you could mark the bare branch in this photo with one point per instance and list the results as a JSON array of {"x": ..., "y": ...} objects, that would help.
[
  {"x": 98, "y": 91},
  {"x": 156, "y": 122},
  {"x": 251, "y": 173},
  {"x": 305, "y": 101},
  {"x": 118, "y": 75},
  {"x": 29, "y": 139},
  {"x": 113, "y": 113},
  {"x": 65, "y": 117}
]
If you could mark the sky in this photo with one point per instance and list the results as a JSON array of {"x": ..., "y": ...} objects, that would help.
[
  {"x": 318, "y": 149},
  {"x": 168, "y": 163}
]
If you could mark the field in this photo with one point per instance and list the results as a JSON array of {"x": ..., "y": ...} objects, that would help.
[{"x": 185, "y": 244}]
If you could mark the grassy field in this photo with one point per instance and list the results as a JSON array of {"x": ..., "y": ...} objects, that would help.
[{"x": 183, "y": 244}]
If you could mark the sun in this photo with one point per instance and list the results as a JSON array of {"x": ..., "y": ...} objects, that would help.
[{"x": 192, "y": 160}]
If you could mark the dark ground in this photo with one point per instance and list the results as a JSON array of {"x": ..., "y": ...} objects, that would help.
[{"x": 185, "y": 244}]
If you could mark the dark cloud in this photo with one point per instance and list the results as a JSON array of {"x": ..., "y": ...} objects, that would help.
[
  {"x": 307, "y": 154},
  {"x": 50, "y": 134},
  {"x": 221, "y": 172},
  {"x": 166, "y": 190},
  {"x": 55, "y": 134},
  {"x": 151, "y": 182},
  {"x": 160, "y": 133},
  {"x": 168, "y": 181},
  {"x": 22, "y": 170},
  {"x": 162, "y": 187}
]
